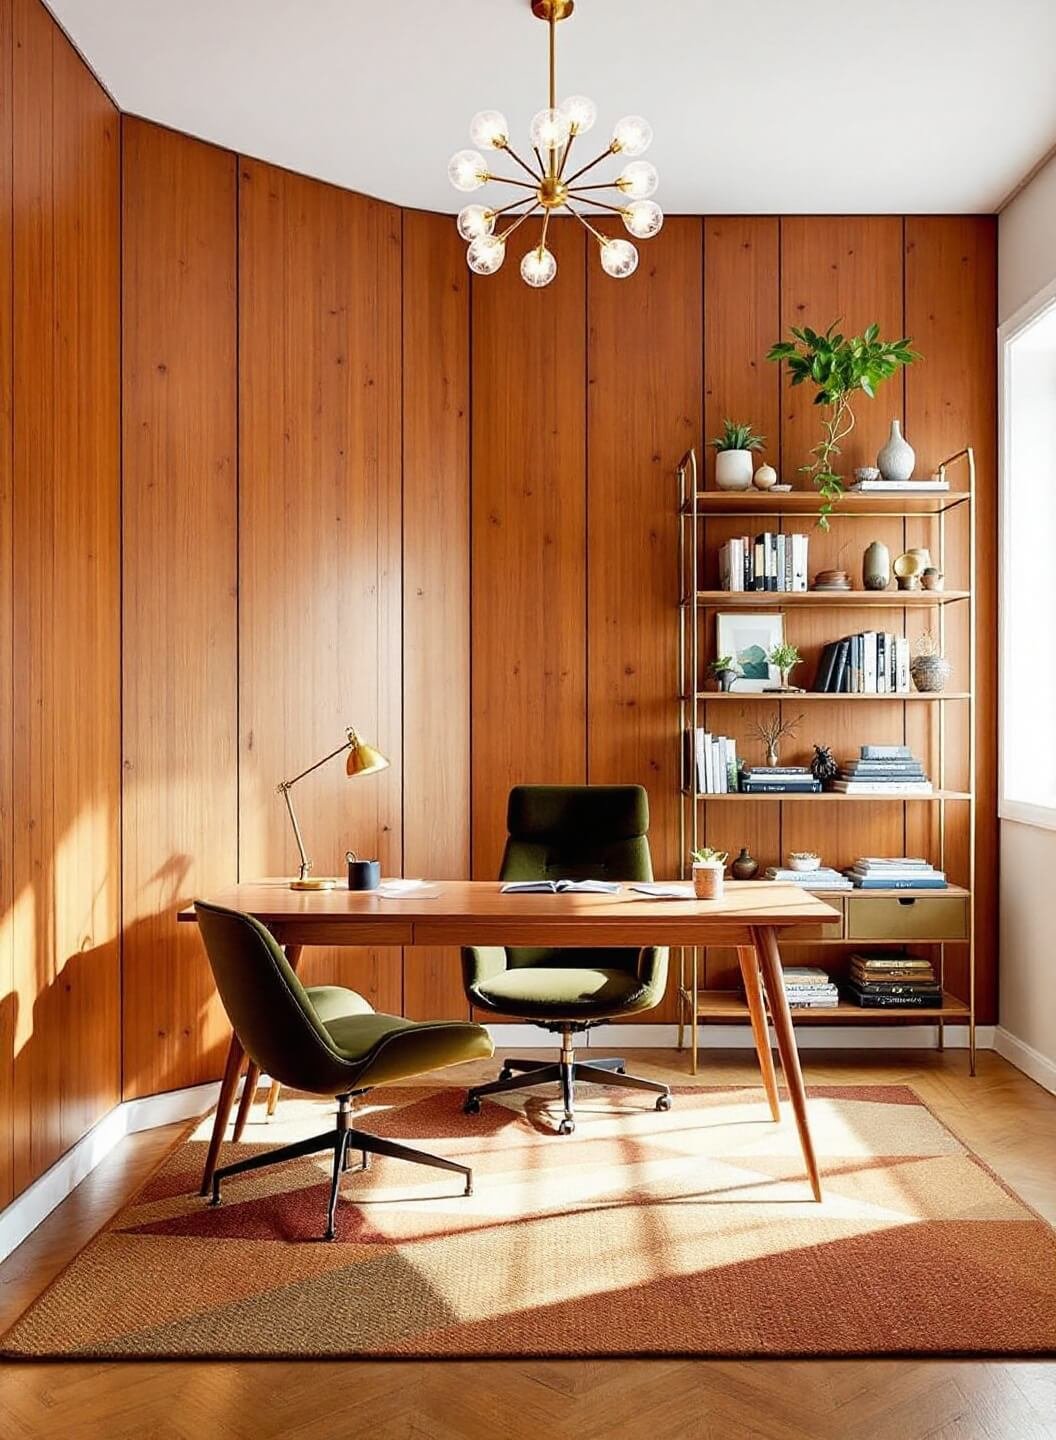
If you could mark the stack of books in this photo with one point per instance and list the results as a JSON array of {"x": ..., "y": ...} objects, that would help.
[
  {"x": 714, "y": 763},
  {"x": 882, "y": 873},
  {"x": 769, "y": 562},
  {"x": 883, "y": 770},
  {"x": 809, "y": 988},
  {"x": 880, "y": 486},
  {"x": 871, "y": 663},
  {"x": 778, "y": 780},
  {"x": 820, "y": 879},
  {"x": 892, "y": 982}
]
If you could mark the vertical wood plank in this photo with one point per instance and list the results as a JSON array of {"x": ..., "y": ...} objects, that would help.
[
  {"x": 643, "y": 412},
  {"x": 436, "y": 660},
  {"x": 319, "y": 507},
  {"x": 8, "y": 996},
  {"x": 67, "y": 603},
  {"x": 951, "y": 311},
  {"x": 180, "y": 794},
  {"x": 529, "y": 536}
]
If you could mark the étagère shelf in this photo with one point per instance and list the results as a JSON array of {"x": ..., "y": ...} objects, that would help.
[{"x": 889, "y": 918}]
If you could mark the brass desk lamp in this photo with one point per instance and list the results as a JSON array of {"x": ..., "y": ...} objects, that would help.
[{"x": 362, "y": 760}]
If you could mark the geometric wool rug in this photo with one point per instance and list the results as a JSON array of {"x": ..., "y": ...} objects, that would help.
[{"x": 690, "y": 1232}]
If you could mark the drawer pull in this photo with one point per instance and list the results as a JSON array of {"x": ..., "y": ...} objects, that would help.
[{"x": 907, "y": 899}]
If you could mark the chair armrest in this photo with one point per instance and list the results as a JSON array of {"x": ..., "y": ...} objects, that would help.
[{"x": 481, "y": 963}]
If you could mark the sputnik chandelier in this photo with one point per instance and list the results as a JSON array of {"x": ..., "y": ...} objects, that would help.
[{"x": 549, "y": 188}]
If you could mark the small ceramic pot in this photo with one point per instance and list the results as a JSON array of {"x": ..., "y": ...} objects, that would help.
[
  {"x": 733, "y": 469},
  {"x": 932, "y": 579},
  {"x": 765, "y": 478},
  {"x": 923, "y": 557},
  {"x": 908, "y": 582},
  {"x": 803, "y": 861},
  {"x": 876, "y": 567},
  {"x": 931, "y": 673},
  {"x": 746, "y": 866},
  {"x": 897, "y": 458},
  {"x": 707, "y": 880},
  {"x": 867, "y": 472}
]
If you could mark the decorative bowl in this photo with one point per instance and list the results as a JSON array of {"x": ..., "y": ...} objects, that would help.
[{"x": 804, "y": 860}]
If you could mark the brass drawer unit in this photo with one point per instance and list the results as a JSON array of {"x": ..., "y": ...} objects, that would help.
[{"x": 899, "y": 918}]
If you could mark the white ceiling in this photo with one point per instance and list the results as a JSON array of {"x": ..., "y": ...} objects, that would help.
[{"x": 779, "y": 106}]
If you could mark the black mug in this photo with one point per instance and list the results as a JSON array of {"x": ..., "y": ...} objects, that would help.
[{"x": 363, "y": 874}]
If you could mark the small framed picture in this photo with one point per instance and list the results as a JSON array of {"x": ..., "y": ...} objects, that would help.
[{"x": 749, "y": 636}]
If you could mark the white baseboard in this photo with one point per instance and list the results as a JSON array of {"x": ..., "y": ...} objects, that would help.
[
  {"x": 739, "y": 1037},
  {"x": 36, "y": 1203},
  {"x": 1024, "y": 1057}
]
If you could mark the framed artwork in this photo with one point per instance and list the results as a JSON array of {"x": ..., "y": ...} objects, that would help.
[{"x": 749, "y": 636}]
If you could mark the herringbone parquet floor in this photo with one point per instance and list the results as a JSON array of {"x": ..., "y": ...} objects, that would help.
[{"x": 1006, "y": 1118}]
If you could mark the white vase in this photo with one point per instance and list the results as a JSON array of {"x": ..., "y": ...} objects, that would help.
[
  {"x": 897, "y": 458},
  {"x": 733, "y": 469},
  {"x": 765, "y": 477}
]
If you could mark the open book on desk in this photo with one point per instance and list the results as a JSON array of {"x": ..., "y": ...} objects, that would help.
[{"x": 560, "y": 887}]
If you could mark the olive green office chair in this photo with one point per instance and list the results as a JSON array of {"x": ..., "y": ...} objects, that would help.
[
  {"x": 570, "y": 832},
  {"x": 325, "y": 1040}
]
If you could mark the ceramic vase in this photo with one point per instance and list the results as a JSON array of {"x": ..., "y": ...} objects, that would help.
[
  {"x": 765, "y": 477},
  {"x": 931, "y": 673},
  {"x": 897, "y": 458},
  {"x": 876, "y": 566},
  {"x": 746, "y": 866},
  {"x": 733, "y": 469}
]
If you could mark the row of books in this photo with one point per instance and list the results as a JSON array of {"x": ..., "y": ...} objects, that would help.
[
  {"x": 875, "y": 982},
  {"x": 890, "y": 873},
  {"x": 882, "y": 770},
  {"x": 870, "y": 663},
  {"x": 714, "y": 763},
  {"x": 769, "y": 562}
]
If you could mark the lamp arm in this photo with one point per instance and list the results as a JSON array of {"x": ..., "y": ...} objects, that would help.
[
  {"x": 350, "y": 740},
  {"x": 306, "y": 864}
]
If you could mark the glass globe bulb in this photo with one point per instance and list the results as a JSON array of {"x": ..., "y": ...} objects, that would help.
[
  {"x": 638, "y": 179},
  {"x": 488, "y": 128},
  {"x": 632, "y": 135},
  {"x": 538, "y": 267},
  {"x": 643, "y": 219},
  {"x": 550, "y": 129},
  {"x": 474, "y": 221},
  {"x": 619, "y": 259},
  {"x": 486, "y": 254},
  {"x": 582, "y": 113},
  {"x": 467, "y": 170}
]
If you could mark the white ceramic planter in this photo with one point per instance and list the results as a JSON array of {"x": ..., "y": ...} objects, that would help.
[
  {"x": 708, "y": 878},
  {"x": 733, "y": 469}
]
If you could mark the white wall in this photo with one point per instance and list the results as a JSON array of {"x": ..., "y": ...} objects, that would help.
[{"x": 1026, "y": 264}]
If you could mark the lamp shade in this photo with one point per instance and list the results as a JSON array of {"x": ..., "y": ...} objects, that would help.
[{"x": 363, "y": 759}]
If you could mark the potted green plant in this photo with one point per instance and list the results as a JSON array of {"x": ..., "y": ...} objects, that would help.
[
  {"x": 724, "y": 671},
  {"x": 733, "y": 455},
  {"x": 708, "y": 867},
  {"x": 785, "y": 658},
  {"x": 840, "y": 367}
]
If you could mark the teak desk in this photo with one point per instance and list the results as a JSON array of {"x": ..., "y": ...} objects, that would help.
[{"x": 467, "y": 912}]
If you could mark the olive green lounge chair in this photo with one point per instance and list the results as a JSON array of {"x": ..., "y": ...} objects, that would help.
[
  {"x": 570, "y": 832},
  {"x": 325, "y": 1040}
]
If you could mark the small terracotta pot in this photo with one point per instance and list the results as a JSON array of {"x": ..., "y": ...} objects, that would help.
[{"x": 707, "y": 882}]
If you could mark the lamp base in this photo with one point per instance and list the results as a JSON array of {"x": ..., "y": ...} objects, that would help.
[{"x": 313, "y": 883}]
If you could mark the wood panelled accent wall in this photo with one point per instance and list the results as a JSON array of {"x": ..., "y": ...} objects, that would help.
[
  {"x": 59, "y": 597},
  {"x": 450, "y": 522}
]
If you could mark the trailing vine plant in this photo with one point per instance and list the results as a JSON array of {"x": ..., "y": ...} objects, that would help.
[{"x": 840, "y": 367}]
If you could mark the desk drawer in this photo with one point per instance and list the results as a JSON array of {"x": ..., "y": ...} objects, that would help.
[{"x": 907, "y": 917}]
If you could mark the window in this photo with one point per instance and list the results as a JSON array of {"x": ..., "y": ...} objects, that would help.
[{"x": 1027, "y": 658}]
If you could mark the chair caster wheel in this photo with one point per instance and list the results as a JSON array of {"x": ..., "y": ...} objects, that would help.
[
  {"x": 664, "y": 1103},
  {"x": 505, "y": 1073},
  {"x": 472, "y": 1106},
  {"x": 566, "y": 1127},
  {"x": 469, "y": 1187}
]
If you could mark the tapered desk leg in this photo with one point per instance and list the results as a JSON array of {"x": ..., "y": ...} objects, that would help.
[
  {"x": 235, "y": 1055},
  {"x": 770, "y": 960},
  {"x": 753, "y": 989},
  {"x": 228, "y": 1086},
  {"x": 249, "y": 1093}
]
